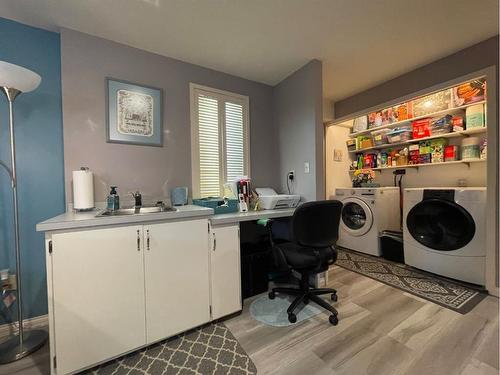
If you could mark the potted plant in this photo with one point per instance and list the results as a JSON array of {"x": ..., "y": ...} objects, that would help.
[{"x": 364, "y": 178}]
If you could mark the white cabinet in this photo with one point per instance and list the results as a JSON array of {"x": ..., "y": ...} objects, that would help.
[
  {"x": 117, "y": 289},
  {"x": 98, "y": 295},
  {"x": 225, "y": 270},
  {"x": 176, "y": 275}
]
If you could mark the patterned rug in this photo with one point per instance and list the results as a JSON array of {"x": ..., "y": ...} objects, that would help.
[
  {"x": 456, "y": 296},
  {"x": 211, "y": 349}
]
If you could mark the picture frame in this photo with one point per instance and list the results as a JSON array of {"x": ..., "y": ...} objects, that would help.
[{"x": 134, "y": 113}]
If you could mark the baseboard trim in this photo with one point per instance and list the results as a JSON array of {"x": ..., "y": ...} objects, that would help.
[{"x": 36, "y": 322}]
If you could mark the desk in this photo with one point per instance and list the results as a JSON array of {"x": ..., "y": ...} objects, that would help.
[
  {"x": 237, "y": 217},
  {"x": 227, "y": 275}
]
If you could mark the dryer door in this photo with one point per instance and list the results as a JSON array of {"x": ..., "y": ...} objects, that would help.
[
  {"x": 357, "y": 217},
  {"x": 440, "y": 224}
]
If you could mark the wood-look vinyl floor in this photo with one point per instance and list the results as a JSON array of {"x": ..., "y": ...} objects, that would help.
[{"x": 382, "y": 330}]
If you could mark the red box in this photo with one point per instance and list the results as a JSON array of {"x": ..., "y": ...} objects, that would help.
[{"x": 421, "y": 128}]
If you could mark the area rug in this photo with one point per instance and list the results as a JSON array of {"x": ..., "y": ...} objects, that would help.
[
  {"x": 272, "y": 312},
  {"x": 456, "y": 296},
  {"x": 211, "y": 349}
]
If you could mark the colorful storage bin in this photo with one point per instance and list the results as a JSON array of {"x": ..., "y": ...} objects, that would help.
[{"x": 219, "y": 205}]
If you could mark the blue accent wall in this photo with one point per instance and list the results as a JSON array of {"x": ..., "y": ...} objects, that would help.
[{"x": 39, "y": 143}]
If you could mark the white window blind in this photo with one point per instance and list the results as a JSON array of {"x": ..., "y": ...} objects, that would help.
[{"x": 220, "y": 139}]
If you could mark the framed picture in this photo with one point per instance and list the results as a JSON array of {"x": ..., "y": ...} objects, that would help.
[{"x": 134, "y": 113}]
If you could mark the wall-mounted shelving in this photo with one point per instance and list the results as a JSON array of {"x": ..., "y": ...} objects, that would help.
[
  {"x": 408, "y": 121},
  {"x": 464, "y": 133},
  {"x": 417, "y": 166}
]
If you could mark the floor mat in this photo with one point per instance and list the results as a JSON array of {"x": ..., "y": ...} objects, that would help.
[
  {"x": 454, "y": 295},
  {"x": 211, "y": 349},
  {"x": 272, "y": 312}
]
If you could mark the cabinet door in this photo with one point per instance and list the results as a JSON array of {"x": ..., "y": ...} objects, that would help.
[
  {"x": 176, "y": 274},
  {"x": 225, "y": 271},
  {"x": 98, "y": 295}
]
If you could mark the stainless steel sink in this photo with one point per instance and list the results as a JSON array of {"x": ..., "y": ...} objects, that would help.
[{"x": 136, "y": 211}]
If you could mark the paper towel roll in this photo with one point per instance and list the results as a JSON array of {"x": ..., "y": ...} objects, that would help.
[{"x": 83, "y": 189}]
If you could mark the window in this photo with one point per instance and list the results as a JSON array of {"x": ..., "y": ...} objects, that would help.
[{"x": 219, "y": 133}]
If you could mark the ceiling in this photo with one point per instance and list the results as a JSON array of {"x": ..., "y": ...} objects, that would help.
[{"x": 361, "y": 42}]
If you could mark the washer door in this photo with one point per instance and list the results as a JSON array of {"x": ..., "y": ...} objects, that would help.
[
  {"x": 357, "y": 218},
  {"x": 440, "y": 224}
]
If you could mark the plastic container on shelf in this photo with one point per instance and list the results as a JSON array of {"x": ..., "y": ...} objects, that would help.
[
  {"x": 380, "y": 137},
  {"x": 399, "y": 135},
  {"x": 470, "y": 148}
]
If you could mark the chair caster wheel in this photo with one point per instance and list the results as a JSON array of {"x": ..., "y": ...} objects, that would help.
[
  {"x": 334, "y": 297},
  {"x": 292, "y": 318},
  {"x": 271, "y": 295},
  {"x": 334, "y": 320}
]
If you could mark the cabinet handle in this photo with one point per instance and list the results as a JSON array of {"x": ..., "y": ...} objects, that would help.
[
  {"x": 215, "y": 242},
  {"x": 138, "y": 241},
  {"x": 147, "y": 239}
]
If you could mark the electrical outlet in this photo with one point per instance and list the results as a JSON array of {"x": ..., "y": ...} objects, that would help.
[
  {"x": 306, "y": 167},
  {"x": 291, "y": 175}
]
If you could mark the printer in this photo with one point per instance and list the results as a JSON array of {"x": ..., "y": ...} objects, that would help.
[{"x": 269, "y": 199}]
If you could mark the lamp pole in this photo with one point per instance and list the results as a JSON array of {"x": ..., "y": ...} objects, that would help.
[{"x": 25, "y": 342}]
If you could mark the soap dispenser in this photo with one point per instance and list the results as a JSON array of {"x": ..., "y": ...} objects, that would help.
[{"x": 113, "y": 199}]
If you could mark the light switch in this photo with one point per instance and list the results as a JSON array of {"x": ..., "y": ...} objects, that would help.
[{"x": 306, "y": 167}]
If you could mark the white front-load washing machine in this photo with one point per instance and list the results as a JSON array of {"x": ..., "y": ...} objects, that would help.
[
  {"x": 365, "y": 213},
  {"x": 444, "y": 231}
]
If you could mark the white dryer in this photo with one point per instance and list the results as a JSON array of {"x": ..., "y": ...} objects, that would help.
[
  {"x": 444, "y": 231},
  {"x": 367, "y": 212}
]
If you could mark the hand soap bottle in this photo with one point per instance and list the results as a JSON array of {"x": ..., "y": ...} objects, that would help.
[{"x": 113, "y": 202}]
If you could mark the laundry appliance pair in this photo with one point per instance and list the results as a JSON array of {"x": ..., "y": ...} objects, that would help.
[{"x": 443, "y": 228}]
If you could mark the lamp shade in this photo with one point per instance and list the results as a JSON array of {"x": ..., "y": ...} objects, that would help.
[{"x": 17, "y": 77}]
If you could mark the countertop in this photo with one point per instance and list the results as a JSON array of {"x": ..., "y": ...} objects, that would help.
[
  {"x": 236, "y": 217},
  {"x": 88, "y": 219}
]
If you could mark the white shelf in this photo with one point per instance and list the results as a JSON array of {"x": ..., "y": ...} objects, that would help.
[
  {"x": 467, "y": 162},
  {"x": 464, "y": 133},
  {"x": 399, "y": 123}
]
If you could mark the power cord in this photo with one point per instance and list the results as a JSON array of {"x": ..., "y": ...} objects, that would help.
[{"x": 290, "y": 176}]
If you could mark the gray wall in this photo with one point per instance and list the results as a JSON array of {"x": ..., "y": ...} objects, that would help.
[
  {"x": 468, "y": 60},
  {"x": 298, "y": 115},
  {"x": 87, "y": 60}
]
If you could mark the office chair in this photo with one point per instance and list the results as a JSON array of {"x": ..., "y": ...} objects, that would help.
[{"x": 314, "y": 232}]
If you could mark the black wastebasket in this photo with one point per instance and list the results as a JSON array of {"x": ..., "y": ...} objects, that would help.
[{"x": 391, "y": 245}]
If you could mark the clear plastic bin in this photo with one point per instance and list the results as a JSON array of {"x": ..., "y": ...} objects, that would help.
[
  {"x": 399, "y": 135},
  {"x": 380, "y": 137}
]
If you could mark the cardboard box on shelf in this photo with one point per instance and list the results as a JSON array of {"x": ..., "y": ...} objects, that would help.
[
  {"x": 474, "y": 116},
  {"x": 470, "y": 92},
  {"x": 428, "y": 104},
  {"x": 437, "y": 150}
]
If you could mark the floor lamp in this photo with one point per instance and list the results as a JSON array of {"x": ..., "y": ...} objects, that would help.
[{"x": 15, "y": 80}]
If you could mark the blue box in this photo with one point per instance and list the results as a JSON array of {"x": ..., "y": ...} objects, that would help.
[{"x": 219, "y": 205}]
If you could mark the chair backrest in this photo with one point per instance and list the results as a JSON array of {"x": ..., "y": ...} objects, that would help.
[{"x": 316, "y": 224}]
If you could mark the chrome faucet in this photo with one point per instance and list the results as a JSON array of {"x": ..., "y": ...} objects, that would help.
[{"x": 138, "y": 199}]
